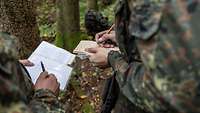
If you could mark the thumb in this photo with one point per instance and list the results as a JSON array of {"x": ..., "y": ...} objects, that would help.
[
  {"x": 92, "y": 58},
  {"x": 26, "y": 62},
  {"x": 43, "y": 75},
  {"x": 104, "y": 37}
]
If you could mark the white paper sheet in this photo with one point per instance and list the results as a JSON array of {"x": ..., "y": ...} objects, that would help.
[
  {"x": 84, "y": 44},
  {"x": 55, "y": 61}
]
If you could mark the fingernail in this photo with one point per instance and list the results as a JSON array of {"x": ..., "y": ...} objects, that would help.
[{"x": 100, "y": 39}]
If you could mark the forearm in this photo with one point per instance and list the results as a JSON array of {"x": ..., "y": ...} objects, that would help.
[
  {"x": 44, "y": 101},
  {"x": 128, "y": 75},
  {"x": 119, "y": 65}
]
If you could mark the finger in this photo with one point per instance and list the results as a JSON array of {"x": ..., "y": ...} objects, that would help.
[
  {"x": 103, "y": 38},
  {"x": 26, "y": 62},
  {"x": 89, "y": 54},
  {"x": 115, "y": 49},
  {"x": 106, "y": 36},
  {"x": 91, "y": 50},
  {"x": 52, "y": 77},
  {"x": 112, "y": 46},
  {"x": 102, "y": 33},
  {"x": 108, "y": 46},
  {"x": 43, "y": 75},
  {"x": 99, "y": 35}
]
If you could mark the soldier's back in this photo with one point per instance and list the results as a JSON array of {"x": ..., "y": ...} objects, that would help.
[{"x": 172, "y": 59}]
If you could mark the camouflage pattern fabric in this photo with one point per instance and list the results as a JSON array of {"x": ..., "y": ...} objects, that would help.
[
  {"x": 165, "y": 35},
  {"x": 172, "y": 56},
  {"x": 123, "y": 105},
  {"x": 95, "y": 22},
  {"x": 16, "y": 89}
]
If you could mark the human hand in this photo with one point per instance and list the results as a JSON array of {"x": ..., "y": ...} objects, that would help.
[
  {"x": 47, "y": 81},
  {"x": 26, "y": 62},
  {"x": 103, "y": 36},
  {"x": 98, "y": 56}
]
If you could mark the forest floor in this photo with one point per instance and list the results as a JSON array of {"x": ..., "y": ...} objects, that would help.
[{"x": 83, "y": 94}]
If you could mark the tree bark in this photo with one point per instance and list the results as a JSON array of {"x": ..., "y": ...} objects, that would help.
[
  {"x": 92, "y": 5},
  {"x": 68, "y": 22},
  {"x": 18, "y": 17}
]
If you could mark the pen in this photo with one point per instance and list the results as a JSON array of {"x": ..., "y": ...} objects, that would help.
[
  {"x": 108, "y": 32},
  {"x": 42, "y": 65},
  {"x": 111, "y": 28}
]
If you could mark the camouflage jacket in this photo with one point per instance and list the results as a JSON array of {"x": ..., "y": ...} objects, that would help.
[
  {"x": 16, "y": 89},
  {"x": 165, "y": 35}
]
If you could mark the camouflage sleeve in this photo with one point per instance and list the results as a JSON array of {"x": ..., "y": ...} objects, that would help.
[
  {"x": 119, "y": 65},
  {"x": 128, "y": 76},
  {"x": 15, "y": 107},
  {"x": 44, "y": 101},
  {"x": 13, "y": 100},
  {"x": 172, "y": 58},
  {"x": 177, "y": 55}
]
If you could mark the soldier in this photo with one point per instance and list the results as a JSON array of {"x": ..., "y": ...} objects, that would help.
[
  {"x": 17, "y": 92},
  {"x": 164, "y": 37}
]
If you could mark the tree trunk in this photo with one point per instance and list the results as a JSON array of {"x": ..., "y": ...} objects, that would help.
[
  {"x": 68, "y": 23},
  {"x": 18, "y": 17},
  {"x": 92, "y": 4}
]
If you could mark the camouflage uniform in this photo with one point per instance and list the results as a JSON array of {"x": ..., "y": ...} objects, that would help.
[
  {"x": 16, "y": 89},
  {"x": 165, "y": 35}
]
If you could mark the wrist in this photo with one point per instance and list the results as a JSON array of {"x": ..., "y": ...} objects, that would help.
[
  {"x": 112, "y": 57},
  {"x": 39, "y": 93}
]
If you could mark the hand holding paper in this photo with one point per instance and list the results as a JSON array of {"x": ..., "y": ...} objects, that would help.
[
  {"x": 56, "y": 61},
  {"x": 80, "y": 50}
]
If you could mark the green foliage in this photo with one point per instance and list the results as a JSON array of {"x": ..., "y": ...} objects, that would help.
[
  {"x": 108, "y": 11},
  {"x": 87, "y": 108},
  {"x": 47, "y": 20},
  {"x": 83, "y": 8},
  {"x": 72, "y": 40},
  {"x": 47, "y": 30},
  {"x": 59, "y": 40}
]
